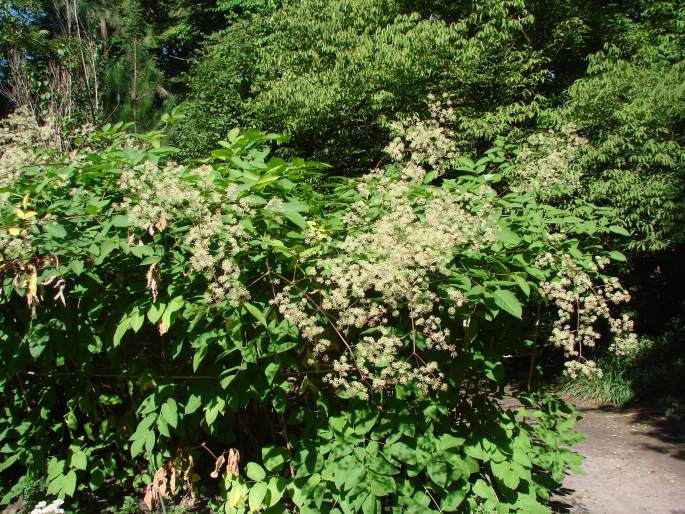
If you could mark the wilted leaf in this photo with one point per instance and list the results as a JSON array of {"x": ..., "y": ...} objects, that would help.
[{"x": 217, "y": 466}]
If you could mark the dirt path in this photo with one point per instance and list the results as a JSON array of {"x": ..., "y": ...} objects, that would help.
[{"x": 634, "y": 463}]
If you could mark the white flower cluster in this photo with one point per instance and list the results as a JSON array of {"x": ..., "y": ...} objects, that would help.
[
  {"x": 314, "y": 235},
  {"x": 580, "y": 305},
  {"x": 420, "y": 145},
  {"x": 377, "y": 365},
  {"x": 402, "y": 237},
  {"x": 14, "y": 248},
  {"x": 393, "y": 254},
  {"x": 21, "y": 128},
  {"x": 20, "y": 134},
  {"x": 296, "y": 314},
  {"x": 547, "y": 164},
  {"x": 53, "y": 508},
  {"x": 158, "y": 196}
]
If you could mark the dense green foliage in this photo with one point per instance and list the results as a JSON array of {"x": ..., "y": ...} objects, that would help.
[
  {"x": 631, "y": 106},
  {"x": 159, "y": 320},
  {"x": 239, "y": 329},
  {"x": 326, "y": 73},
  {"x": 330, "y": 75}
]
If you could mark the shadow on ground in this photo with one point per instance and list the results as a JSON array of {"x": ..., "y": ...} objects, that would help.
[{"x": 634, "y": 463}]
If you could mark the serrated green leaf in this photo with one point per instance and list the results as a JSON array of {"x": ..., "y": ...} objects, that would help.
[
  {"x": 505, "y": 473},
  {"x": 213, "y": 410},
  {"x": 150, "y": 441},
  {"x": 76, "y": 266},
  {"x": 381, "y": 485},
  {"x": 274, "y": 457},
  {"x": 256, "y": 313},
  {"x": 120, "y": 220},
  {"x": 194, "y": 402},
  {"x": 522, "y": 284},
  {"x": 79, "y": 460},
  {"x": 402, "y": 453},
  {"x": 69, "y": 483},
  {"x": 507, "y": 237},
  {"x": 448, "y": 441},
  {"x": 619, "y": 230},
  {"x": 122, "y": 328},
  {"x": 617, "y": 256},
  {"x": 276, "y": 490},
  {"x": 9, "y": 461},
  {"x": 137, "y": 320},
  {"x": 453, "y": 499},
  {"x": 137, "y": 445},
  {"x": 55, "y": 230},
  {"x": 437, "y": 471},
  {"x": 155, "y": 312},
  {"x": 482, "y": 489},
  {"x": 163, "y": 427},
  {"x": 507, "y": 301},
  {"x": 271, "y": 371},
  {"x": 198, "y": 357}
]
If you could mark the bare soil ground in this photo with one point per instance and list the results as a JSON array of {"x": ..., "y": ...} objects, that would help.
[{"x": 634, "y": 463}]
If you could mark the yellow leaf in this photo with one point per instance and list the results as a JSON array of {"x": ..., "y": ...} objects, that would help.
[
  {"x": 24, "y": 215},
  {"x": 14, "y": 231},
  {"x": 33, "y": 284},
  {"x": 236, "y": 493},
  {"x": 25, "y": 201}
]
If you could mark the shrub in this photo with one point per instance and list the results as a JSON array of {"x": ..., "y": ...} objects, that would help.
[{"x": 249, "y": 333}]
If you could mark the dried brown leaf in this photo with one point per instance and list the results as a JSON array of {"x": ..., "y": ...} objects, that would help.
[
  {"x": 148, "y": 500},
  {"x": 159, "y": 483},
  {"x": 172, "y": 480},
  {"x": 232, "y": 464},
  {"x": 217, "y": 466},
  {"x": 153, "y": 278}
]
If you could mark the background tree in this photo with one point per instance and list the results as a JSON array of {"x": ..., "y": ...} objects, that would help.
[{"x": 328, "y": 73}]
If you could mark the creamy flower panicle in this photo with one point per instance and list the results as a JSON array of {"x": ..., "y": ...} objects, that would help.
[
  {"x": 547, "y": 164},
  {"x": 427, "y": 144},
  {"x": 159, "y": 196},
  {"x": 580, "y": 305},
  {"x": 53, "y": 508},
  {"x": 401, "y": 237}
]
